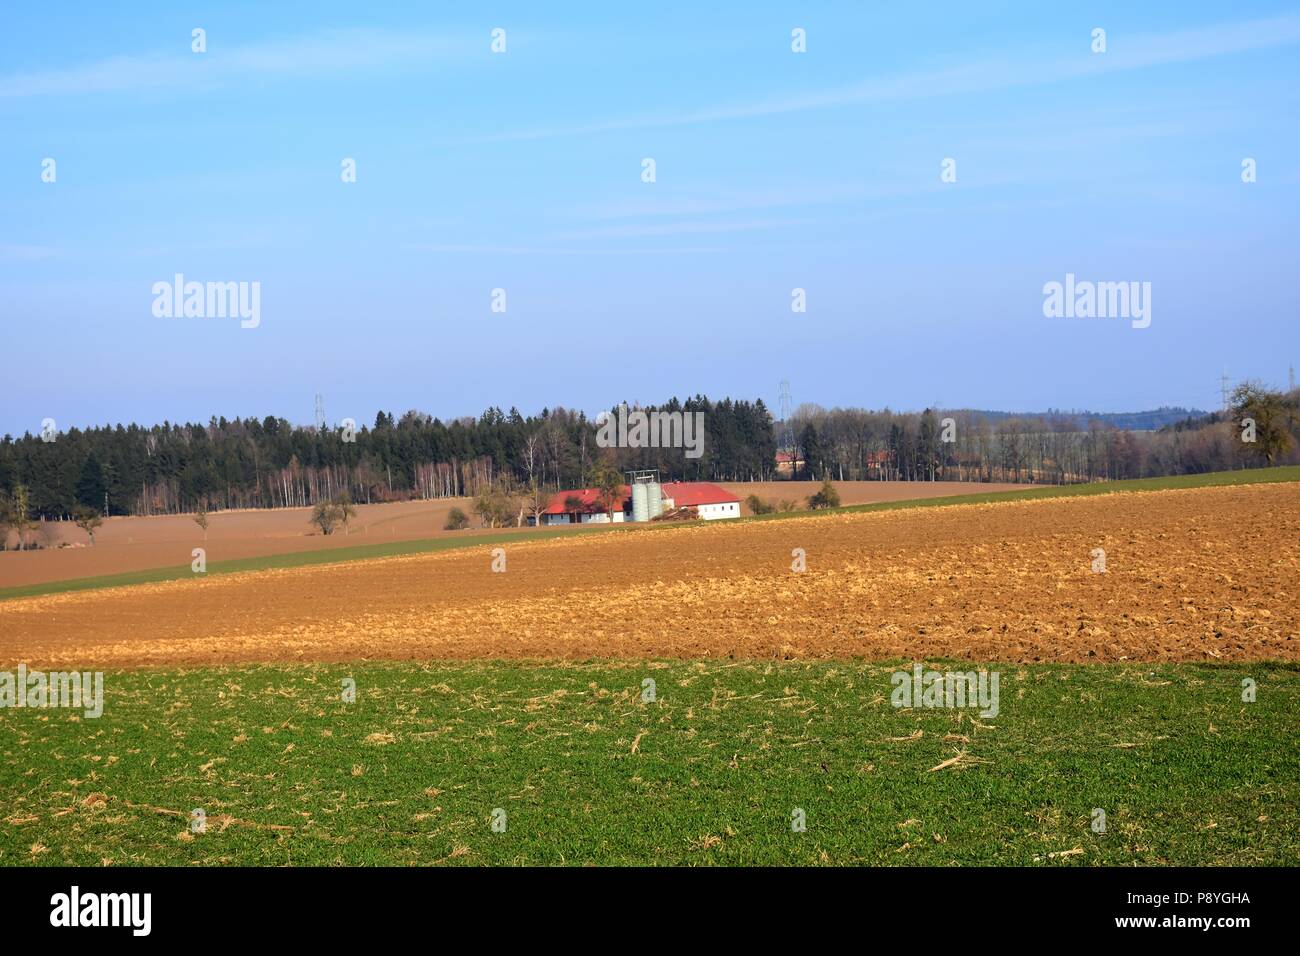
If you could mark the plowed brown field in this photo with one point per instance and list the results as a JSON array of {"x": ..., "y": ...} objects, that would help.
[
  {"x": 1204, "y": 574},
  {"x": 160, "y": 541}
]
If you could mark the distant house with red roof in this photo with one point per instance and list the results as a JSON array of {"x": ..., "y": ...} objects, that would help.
[
  {"x": 584, "y": 505},
  {"x": 878, "y": 462},
  {"x": 788, "y": 463}
]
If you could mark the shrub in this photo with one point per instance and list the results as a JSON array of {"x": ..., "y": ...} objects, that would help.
[
  {"x": 494, "y": 508},
  {"x": 457, "y": 520},
  {"x": 826, "y": 497},
  {"x": 323, "y": 516},
  {"x": 327, "y": 515},
  {"x": 201, "y": 519},
  {"x": 757, "y": 506}
]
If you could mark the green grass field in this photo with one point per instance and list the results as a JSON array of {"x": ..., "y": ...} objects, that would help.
[
  {"x": 421, "y": 546},
  {"x": 586, "y": 772}
]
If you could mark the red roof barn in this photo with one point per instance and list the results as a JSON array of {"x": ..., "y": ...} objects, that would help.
[{"x": 584, "y": 505}]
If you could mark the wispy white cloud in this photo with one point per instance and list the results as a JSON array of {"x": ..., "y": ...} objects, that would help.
[
  {"x": 1011, "y": 69},
  {"x": 512, "y": 250},
  {"x": 642, "y": 231},
  {"x": 329, "y": 51},
  {"x": 835, "y": 197},
  {"x": 726, "y": 202}
]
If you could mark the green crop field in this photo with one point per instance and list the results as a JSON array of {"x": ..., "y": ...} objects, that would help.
[{"x": 712, "y": 772}]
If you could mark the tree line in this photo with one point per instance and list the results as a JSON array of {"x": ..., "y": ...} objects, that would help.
[
  {"x": 511, "y": 463},
  {"x": 270, "y": 463},
  {"x": 857, "y": 444}
]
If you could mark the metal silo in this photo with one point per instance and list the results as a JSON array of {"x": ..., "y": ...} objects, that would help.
[
  {"x": 655, "y": 496},
  {"x": 640, "y": 502}
]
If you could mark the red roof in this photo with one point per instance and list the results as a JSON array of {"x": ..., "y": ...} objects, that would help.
[
  {"x": 694, "y": 493},
  {"x": 683, "y": 493},
  {"x": 590, "y": 498}
]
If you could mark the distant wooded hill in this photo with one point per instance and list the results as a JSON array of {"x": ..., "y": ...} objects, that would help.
[
  {"x": 1148, "y": 421},
  {"x": 267, "y": 463}
]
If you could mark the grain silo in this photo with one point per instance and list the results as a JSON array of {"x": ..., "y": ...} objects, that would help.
[
  {"x": 640, "y": 501},
  {"x": 655, "y": 496},
  {"x": 647, "y": 494}
]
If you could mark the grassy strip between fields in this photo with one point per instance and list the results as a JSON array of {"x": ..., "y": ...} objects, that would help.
[
  {"x": 1210, "y": 479},
  {"x": 580, "y": 768},
  {"x": 425, "y": 545}
]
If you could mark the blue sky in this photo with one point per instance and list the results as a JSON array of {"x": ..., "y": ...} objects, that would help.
[{"x": 522, "y": 171}]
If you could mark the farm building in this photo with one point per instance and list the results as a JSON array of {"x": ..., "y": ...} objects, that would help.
[
  {"x": 788, "y": 463},
  {"x": 710, "y": 500},
  {"x": 584, "y": 505}
]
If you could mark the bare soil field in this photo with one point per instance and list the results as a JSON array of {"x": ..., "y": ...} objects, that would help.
[
  {"x": 139, "y": 544},
  {"x": 861, "y": 492},
  {"x": 1207, "y": 574}
]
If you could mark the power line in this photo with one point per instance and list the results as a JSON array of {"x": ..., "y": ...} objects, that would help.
[{"x": 786, "y": 412}]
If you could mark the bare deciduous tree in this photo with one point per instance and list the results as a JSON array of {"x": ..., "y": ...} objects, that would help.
[
  {"x": 538, "y": 499},
  {"x": 87, "y": 519},
  {"x": 19, "y": 514}
]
